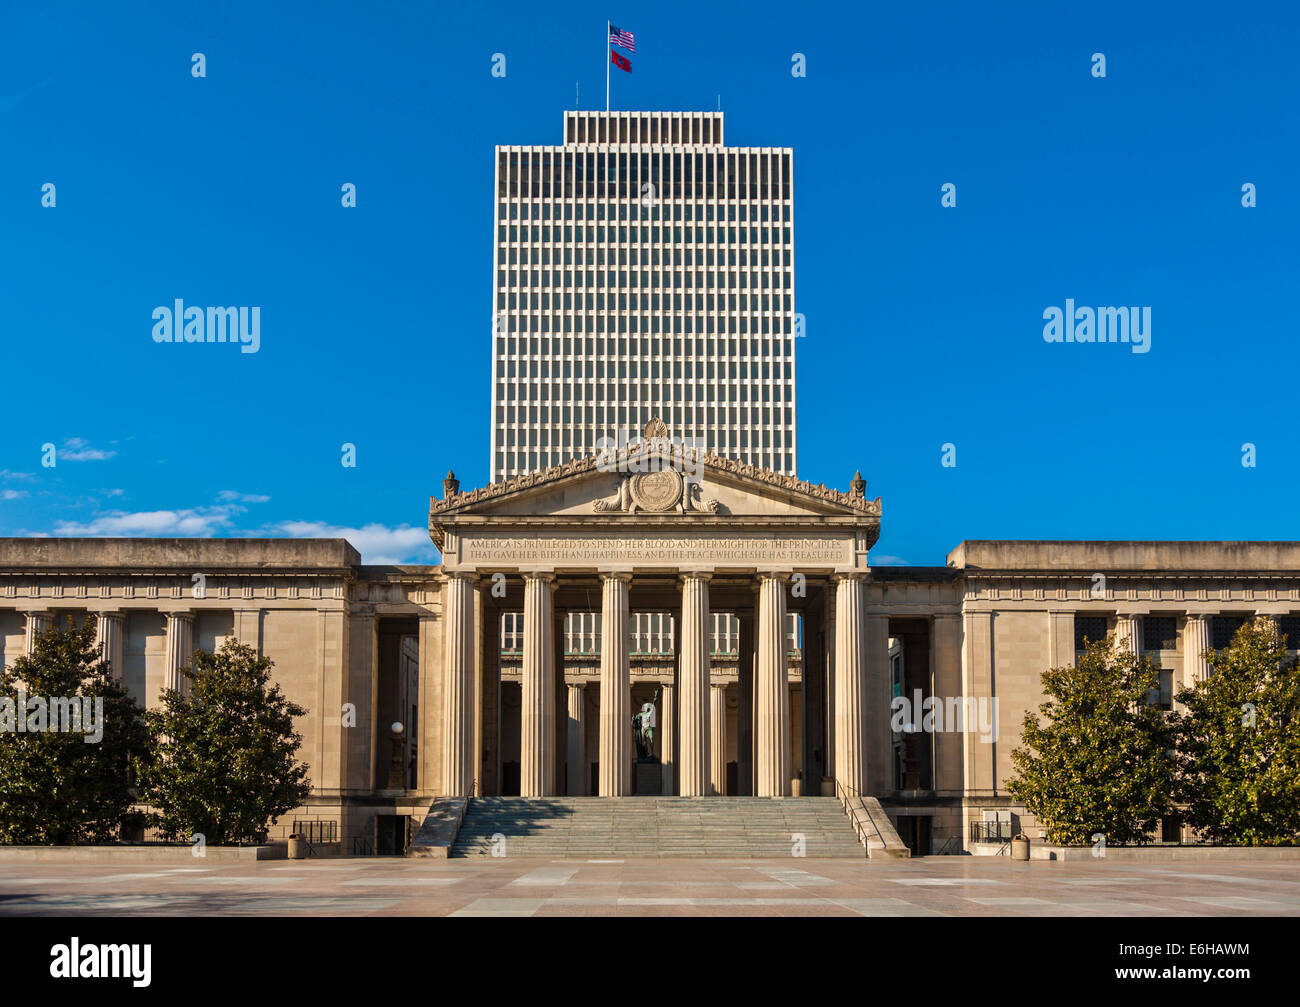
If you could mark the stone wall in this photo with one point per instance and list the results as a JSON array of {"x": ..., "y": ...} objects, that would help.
[{"x": 994, "y": 619}]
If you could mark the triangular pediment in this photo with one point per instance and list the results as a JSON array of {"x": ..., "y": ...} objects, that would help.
[{"x": 655, "y": 480}]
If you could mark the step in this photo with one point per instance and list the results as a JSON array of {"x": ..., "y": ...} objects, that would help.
[{"x": 743, "y": 827}]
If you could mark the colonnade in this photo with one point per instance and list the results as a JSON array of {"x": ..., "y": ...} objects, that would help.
[
  {"x": 110, "y": 637},
  {"x": 693, "y": 721}
]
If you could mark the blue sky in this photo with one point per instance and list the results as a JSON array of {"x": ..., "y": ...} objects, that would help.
[{"x": 924, "y": 323}]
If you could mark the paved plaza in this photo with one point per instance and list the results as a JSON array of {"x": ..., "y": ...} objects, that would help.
[{"x": 931, "y": 886}]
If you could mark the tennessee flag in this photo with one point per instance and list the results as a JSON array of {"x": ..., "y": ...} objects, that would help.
[{"x": 620, "y": 61}]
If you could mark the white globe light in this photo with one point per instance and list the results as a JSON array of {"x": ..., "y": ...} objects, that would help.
[{"x": 397, "y": 727}]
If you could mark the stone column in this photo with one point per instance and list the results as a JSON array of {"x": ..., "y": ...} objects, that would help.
[
  {"x": 488, "y": 712},
  {"x": 110, "y": 631},
  {"x": 718, "y": 737},
  {"x": 537, "y": 709},
  {"x": 947, "y": 777},
  {"x": 815, "y": 710},
  {"x": 560, "y": 742},
  {"x": 668, "y": 737},
  {"x": 615, "y": 686},
  {"x": 850, "y": 682},
  {"x": 1196, "y": 641},
  {"x": 772, "y": 744},
  {"x": 180, "y": 647},
  {"x": 458, "y": 646},
  {"x": 745, "y": 706},
  {"x": 876, "y": 739},
  {"x": 1126, "y": 633},
  {"x": 37, "y": 623},
  {"x": 693, "y": 680},
  {"x": 832, "y": 702},
  {"x": 577, "y": 782}
]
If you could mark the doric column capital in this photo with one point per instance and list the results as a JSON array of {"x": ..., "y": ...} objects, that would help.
[
  {"x": 183, "y": 615},
  {"x": 615, "y": 573},
  {"x": 546, "y": 576},
  {"x": 687, "y": 574},
  {"x": 780, "y": 576},
  {"x": 839, "y": 576}
]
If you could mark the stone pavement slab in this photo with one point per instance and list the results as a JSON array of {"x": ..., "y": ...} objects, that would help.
[{"x": 556, "y": 886}]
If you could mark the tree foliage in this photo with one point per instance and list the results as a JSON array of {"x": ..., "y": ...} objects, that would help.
[
  {"x": 1100, "y": 760},
  {"x": 1238, "y": 742},
  {"x": 227, "y": 750},
  {"x": 63, "y": 787}
]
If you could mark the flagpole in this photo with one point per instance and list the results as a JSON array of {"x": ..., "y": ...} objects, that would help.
[{"x": 606, "y": 66}]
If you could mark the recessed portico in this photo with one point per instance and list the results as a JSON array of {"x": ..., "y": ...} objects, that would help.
[{"x": 658, "y": 528}]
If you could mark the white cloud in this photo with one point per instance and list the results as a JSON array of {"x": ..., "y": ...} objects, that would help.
[
  {"x": 883, "y": 559},
  {"x": 189, "y": 522},
  {"x": 6, "y": 474},
  {"x": 12, "y": 494},
  {"x": 377, "y": 543},
  {"x": 76, "y": 449}
]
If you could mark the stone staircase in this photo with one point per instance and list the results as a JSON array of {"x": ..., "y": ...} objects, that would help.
[{"x": 723, "y": 827}]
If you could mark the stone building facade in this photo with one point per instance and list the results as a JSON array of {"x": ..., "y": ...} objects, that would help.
[{"x": 751, "y": 710}]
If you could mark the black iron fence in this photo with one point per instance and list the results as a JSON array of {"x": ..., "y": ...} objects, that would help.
[
  {"x": 317, "y": 833},
  {"x": 990, "y": 832}
]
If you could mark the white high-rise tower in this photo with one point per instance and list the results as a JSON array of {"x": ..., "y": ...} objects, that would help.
[{"x": 643, "y": 269}]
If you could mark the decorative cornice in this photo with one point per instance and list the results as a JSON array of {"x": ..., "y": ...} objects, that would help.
[{"x": 626, "y": 458}]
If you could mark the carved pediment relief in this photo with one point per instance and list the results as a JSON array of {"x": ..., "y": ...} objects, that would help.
[
  {"x": 710, "y": 469},
  {"x": 657, "y": 492},
  {"x": 655, "y": 477}
]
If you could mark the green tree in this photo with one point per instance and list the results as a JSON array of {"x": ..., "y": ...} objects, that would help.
[
  {"x": 62, "y": 786},
  {"x": 226, "y": 762},
  {"x": 1238, "y": 742},
  {"x": 1100, "y": 762}
]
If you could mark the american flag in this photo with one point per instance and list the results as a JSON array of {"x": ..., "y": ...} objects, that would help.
[{"x": 622, "y": 38}]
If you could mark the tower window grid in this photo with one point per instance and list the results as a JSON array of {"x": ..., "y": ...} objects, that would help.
[{"x": 578, "y": 358}]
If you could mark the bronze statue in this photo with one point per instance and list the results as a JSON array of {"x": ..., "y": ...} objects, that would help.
[{"x": 643, "y": 730}]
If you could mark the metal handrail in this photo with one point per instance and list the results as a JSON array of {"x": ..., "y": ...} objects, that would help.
[
  {"x": 842, "y": 791},
  {"x": 990, "y": 832}
]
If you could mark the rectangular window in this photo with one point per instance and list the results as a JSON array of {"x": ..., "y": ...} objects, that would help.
[
  {"x": 1088, "y": 628},
  {"x": 1289, "y": 627},
  {"x": 1223, "y": 628},
  {"x": 1159, "y": 632},
  {"x": 1163, "y": 695}
]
